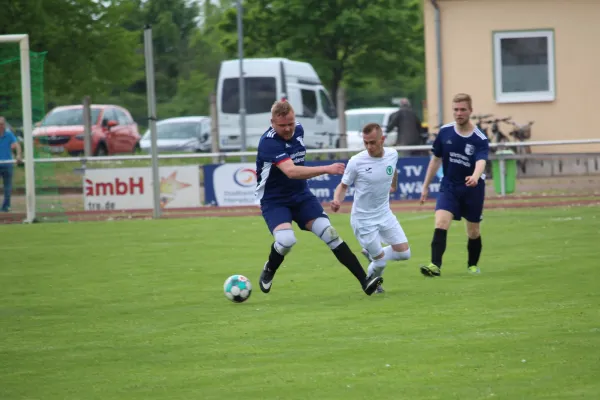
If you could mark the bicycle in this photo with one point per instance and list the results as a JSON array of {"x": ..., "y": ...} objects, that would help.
[
  {"x": 498, "y": 135},
  {"x": 522, "y": 133},
  {"x": 480, "y": 121}
]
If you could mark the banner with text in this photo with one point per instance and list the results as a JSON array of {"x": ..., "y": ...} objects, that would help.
[
  {"x": 234, "y": 184},
  {"x": 131, "y": 188}
]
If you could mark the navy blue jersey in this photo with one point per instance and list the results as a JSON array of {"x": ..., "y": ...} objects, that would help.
[
  {"x": 459, "y": 153},
  {"x": 272, "y": 184}
]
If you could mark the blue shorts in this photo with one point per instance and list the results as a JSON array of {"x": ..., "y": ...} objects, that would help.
[
  {"x": 301, "y": 211},
  {"x": 462, "y": 201}
]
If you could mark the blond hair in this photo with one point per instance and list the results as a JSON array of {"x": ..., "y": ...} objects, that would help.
[
  {"x": 281, "y": 109},
  {"x": 463, "y": 97}
]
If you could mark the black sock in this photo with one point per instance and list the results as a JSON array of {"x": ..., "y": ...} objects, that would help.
[
  {"x": 275, "y": 259},
  {"x": 474, "y": 248},
  {"x": 347, "y": 257},
  {"x": 438, "y": 246}
]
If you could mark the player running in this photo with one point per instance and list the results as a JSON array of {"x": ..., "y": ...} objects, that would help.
[
  {"x": 373, "y": 174},
  {"x": 284, "y": 196}
]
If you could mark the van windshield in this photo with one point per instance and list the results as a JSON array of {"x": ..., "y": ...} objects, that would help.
[
  {"x": 261, "y": 93},
  {"x": 355, "y": 122}
]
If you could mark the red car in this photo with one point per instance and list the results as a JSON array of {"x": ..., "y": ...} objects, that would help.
[{"x": 113, "y": 130}]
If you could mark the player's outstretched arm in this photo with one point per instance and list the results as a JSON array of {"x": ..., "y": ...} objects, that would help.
[
  {"x": 294, "y": 171},
  {"x": 434, "y": 165},
  {"x": 338, "y": 197}
]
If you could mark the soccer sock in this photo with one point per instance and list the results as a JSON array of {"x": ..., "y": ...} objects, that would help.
[
  {"x": 376, "y": 267},
  {"x": 438, "y": 246},
  {"x": 389, "y": 254},
  {"x": 275, "y": 259},
  {"x": 347, "y": 257},
  {"x": 474, "y": 248}
]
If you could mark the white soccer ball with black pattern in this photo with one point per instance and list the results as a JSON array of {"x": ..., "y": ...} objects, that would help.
[{"x": 237, "y": 288}]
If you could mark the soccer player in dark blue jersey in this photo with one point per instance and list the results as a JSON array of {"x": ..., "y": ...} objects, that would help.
[
  {"x": 462, "y": 149},
  {"x": 284, "y": 196}
]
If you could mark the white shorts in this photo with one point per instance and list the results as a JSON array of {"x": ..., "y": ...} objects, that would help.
[{"x": 370, "y": 237}]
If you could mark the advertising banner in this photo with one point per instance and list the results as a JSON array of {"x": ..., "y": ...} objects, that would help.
[
  {"x": 234, "y": 184},
  {"x": 131, "y": 188}
]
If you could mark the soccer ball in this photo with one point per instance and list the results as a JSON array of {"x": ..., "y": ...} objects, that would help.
[{"x": 237, "y": 288}]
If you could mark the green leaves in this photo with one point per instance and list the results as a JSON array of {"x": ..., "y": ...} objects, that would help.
[
  {"x": 96, "y": 47},
  {"x": 346, "y": 40}
]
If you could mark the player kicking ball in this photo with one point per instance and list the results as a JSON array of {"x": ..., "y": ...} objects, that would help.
[
  {"x": 462, "y": 149},
  {"x": 373, "y": 174},
  {"x": 284, "y": 197}
]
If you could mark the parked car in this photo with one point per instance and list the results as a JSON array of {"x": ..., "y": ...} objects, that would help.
[
  {"x": 113, "y": 130},
  {"x": 357, "y": 118},
  {"x": 181, "y": 134}
]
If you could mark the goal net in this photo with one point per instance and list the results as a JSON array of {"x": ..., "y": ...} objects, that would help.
[{"x": 43, "y": 200}]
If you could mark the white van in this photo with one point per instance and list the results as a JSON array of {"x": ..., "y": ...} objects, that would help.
[
  {"x": 357, "y": 118},
  {"x": 267, "y": 80}
]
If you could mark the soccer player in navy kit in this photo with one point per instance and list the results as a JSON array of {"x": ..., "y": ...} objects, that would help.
[
  {"x": 462, "y": 149},
  {"x": 284, "y": 196}
]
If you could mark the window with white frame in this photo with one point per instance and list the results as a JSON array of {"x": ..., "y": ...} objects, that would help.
[{"x": 524, "y": 66}]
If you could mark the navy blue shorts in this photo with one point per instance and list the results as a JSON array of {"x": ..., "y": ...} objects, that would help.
[
  {"x": 301, "y": 212},
  {"x": 462, "y": 201}
]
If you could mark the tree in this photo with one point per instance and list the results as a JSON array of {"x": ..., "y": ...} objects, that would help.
[
  {"x": 346, "y": 40},
  {"x": 88, "y": 50}
]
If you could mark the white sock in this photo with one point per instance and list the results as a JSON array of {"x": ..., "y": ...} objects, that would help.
[
  {"x": 376, "y": 267},
  {"x": 389, "y": 254}
]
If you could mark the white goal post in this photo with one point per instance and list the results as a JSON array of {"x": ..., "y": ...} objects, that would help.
[{"x": 23, "y": 41}]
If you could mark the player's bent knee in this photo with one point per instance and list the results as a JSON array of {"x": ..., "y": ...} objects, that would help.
[
  {"x": 284, "y": 241},
  {"x": 402, "y": 255},
  {"x": 443, "y": 219},
  {"x": 473, "y": 231},
  {"x": 375, "y": 250},
  {"x": 327, "y": 233},
  {"x": 400, "y": 247}
]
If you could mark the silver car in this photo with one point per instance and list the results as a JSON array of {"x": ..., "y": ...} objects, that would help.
[{"x": 181, "y": 134}]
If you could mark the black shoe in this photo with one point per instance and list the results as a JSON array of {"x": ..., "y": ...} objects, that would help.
[
  {"x": 430, "y": 270},
  {"x": 371, "y": 284},
  {"x": 266, "y": 279}
]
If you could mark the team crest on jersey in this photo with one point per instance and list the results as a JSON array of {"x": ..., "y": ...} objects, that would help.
[
  {"x": 299, "y": 138},
  {"x": 469, "y": 149},
  {"x": 389, "y": 170}
]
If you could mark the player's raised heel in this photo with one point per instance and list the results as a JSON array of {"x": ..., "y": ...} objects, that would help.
[
  {"x": 430, "y": 270},
  {"x": 266, "y": 279},
  {"x": 371, "y": 284}
]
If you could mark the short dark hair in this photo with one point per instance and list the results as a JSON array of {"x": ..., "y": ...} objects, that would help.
[{"x": 370, "y": 127}]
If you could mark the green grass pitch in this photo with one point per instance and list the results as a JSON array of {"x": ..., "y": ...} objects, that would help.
[{"x": 135, "y": 310}]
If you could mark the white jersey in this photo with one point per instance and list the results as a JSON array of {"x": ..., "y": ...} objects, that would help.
[{"x": 372, "y": 180}]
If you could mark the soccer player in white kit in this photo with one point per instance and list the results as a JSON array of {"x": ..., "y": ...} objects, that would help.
[{"x": 373, "y": 174}]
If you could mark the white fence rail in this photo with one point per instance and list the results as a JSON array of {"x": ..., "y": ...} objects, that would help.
[{"x": 225, "y": 155}]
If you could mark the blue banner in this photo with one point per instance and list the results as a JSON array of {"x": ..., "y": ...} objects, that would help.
[{"x": 233, "y": 184}]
